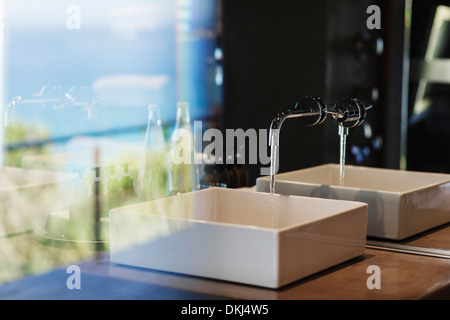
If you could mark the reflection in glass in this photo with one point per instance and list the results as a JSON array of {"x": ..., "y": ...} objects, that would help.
[
  {"x": 429, "y": 112},
  {"x": 75, "y": 83}
]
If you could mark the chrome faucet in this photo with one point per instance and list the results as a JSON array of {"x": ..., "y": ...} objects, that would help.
[
  {"x": 349, "y": 113},
  {"x": 310, "y": 111}
]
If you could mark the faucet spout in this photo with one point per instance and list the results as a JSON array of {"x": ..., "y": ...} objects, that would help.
[{"x": 310, "y": 111}]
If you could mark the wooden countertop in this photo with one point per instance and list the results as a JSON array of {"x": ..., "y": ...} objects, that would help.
[
  {"x": 436, "y": 238},
  {"x": 403, "y": 277}
]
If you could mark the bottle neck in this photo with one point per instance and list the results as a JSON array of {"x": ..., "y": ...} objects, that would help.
[
  {"x": 183, "y": 117},
  {"x": 154, "y": 118}
]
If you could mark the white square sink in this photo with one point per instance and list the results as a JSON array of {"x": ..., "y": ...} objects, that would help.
[
  {"x": 28, "y": 196},
  {"x": 401, "y": 203},
  {"x": 232, "y": 235}
]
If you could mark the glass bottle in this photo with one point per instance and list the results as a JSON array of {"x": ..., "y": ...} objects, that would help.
[
  {"x": 231, "y": 172},
  {"x": 152, "y": 175},
  {"x": 209, "y": 178},
  {"x": 214, "y": 176},
  {"x": 242, "y": 175},
  {"x": 222, "y": 177},
  {"x": 183, "y": 172},
  {"x": 241, "y": 171}
]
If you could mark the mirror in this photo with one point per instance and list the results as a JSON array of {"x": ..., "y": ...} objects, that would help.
[
  {"x": 429, "y": 88},
  {"x": 428, "y": 111}
]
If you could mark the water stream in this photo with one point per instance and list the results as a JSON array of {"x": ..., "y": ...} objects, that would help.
[
  {"x": 343, "y": 132},
  {"x": 273, "y": 170},
  {"x": 274, "y": 146}
]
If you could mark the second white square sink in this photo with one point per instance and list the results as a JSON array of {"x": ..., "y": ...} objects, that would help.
[
  {"x": 233, "y": 235},
  {"x": 401, "y": 203}
]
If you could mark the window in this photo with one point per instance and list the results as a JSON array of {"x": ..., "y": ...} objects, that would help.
[
  {"x": 76, "y": 78},
  {"x": 90, "y": 68}
]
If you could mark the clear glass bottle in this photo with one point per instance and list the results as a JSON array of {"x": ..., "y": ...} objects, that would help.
[
  {"x": 214, "y": 175},
  {"x": 183, "y": 173},
  {"x": 152, "y": 175},
  {"x": 222, "y": 177}
]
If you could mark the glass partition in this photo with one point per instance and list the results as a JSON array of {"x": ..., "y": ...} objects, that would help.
[{"x": 76, "y": 81}]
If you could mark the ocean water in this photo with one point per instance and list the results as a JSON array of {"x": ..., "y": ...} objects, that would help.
[{"x": 112, "y": 70}]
